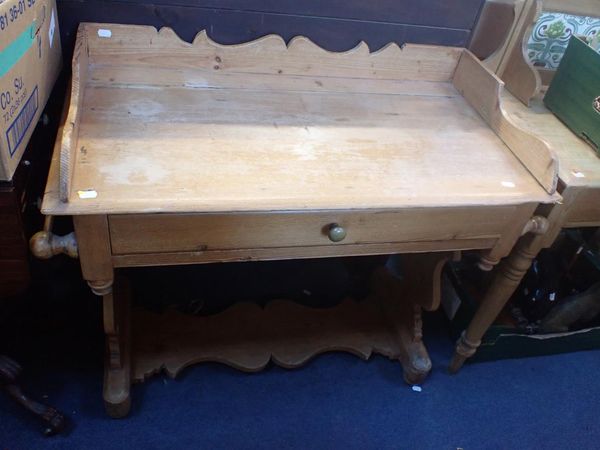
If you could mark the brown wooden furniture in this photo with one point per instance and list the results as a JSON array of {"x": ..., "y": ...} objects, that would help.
[
  {"x": 579, "y": 186},
  {"x": 15, "y": 225},
  {"x": 522, "y": 79},
  {"x": 9, "y": 372},
  {"x": 179, "y": 153},
  {"x": 14, "y": 266}
]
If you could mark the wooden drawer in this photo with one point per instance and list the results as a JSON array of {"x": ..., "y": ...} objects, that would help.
[{"x": 157, "y": 233}]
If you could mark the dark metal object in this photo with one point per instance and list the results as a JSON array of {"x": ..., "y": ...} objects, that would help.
[
  {"x": 9, "y": 372},
  {"x": 579, "y": 308}
]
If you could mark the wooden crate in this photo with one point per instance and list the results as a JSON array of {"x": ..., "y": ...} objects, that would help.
[{"x": 574, "y": 94}]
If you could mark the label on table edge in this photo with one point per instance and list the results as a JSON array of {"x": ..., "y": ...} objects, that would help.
[{"x": 88, "y": 193}]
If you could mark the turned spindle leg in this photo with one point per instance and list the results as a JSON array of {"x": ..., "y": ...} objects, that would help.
[
  {"x": 414, "y": 357},
  {"x": 505, "y": 282},
  {"x": 95, "y": 256},
  {"x": 117, "y": 366}
]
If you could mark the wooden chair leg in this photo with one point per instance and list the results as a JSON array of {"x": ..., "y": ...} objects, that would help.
[
  {"x": 509, "y": 274},
  {"x": 117, "y": 365},
  {"x": 9, "y": 372}
]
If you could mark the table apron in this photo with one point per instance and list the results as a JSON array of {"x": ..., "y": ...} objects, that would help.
[{"x": 149, "y": 239}]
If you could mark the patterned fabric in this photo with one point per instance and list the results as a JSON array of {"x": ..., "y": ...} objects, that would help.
[{"x": 551, "y": 35}]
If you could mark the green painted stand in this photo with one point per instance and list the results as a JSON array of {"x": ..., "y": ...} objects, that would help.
[{"x": 574, "y": 94}]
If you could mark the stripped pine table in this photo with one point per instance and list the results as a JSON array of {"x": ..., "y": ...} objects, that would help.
[{"x": 184, "y": 153}]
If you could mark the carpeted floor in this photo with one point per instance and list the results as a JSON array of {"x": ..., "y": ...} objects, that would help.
[{"x": 336, "y": 401}]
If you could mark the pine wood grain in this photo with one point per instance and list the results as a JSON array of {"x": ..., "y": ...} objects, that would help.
[
  {"x": 483, "y": 90},
  {"x": 155, "y": 233},
  {"x": 69, "y": 132},
  {"x": 93, "y": 241},
  {"x": 280, "y": 253},
  {"x": 146, "y": 47},
  {"x": 249, "y": 337},
  {"x": 168, "y": 126}
]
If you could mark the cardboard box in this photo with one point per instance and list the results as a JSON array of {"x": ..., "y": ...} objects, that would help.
[{"x": 30, "y": 60}]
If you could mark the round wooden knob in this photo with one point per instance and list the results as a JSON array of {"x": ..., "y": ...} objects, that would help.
[
  {"x": 336, "y": 233},
  {"x": 44, "y": 245}
]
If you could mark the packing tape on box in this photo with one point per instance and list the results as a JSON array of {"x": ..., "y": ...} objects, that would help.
[{"x": 16, "y": 49}]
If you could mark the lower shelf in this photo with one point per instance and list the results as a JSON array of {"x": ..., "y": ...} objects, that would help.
[{"x": 249, "y": 337}]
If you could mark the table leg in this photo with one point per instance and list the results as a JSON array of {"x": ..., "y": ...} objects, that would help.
[
  {"x": 414, "y": 357},
  {"x": 509, "y": 274},
  {"x": 404, "y": 299},
  {"x": 117, "y": 366}
]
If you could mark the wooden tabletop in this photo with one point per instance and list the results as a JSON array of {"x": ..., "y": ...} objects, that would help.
[{"x": 363, "y": 132}]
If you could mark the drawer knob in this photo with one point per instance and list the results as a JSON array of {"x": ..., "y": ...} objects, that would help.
[{"x": 336, "y": 233}]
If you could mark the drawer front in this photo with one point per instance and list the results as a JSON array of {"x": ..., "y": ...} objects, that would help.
[{"x": 156, "y": 233}]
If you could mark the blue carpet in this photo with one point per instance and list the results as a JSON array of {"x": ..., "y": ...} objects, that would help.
[{"x": 336, "y": 401}]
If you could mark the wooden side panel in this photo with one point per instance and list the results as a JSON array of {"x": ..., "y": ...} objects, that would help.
[
  {"x": 482, "y": 89},
  {"x": 585, "y": 210},
  {"x": 493, "y": 32},
  {"x": 578, "y": 161},
  {"x": 68, "y": 135},
  {"x": 521, "y": 78}
]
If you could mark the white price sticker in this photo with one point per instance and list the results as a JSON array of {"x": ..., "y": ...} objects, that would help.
[
  {"x": 88, "y": 193},
  {"x": 51, "y": 29}
]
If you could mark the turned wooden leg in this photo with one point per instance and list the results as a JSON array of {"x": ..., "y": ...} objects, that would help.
[
  {"x": 506, "y": 280},
  {"x": 9, "y": 372},
  {"x": 414, "y": 357},
  {"x": 95, "y": 256},
  {"x": 117, "y": 366},
  {"x": 403, "y": 301}
]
